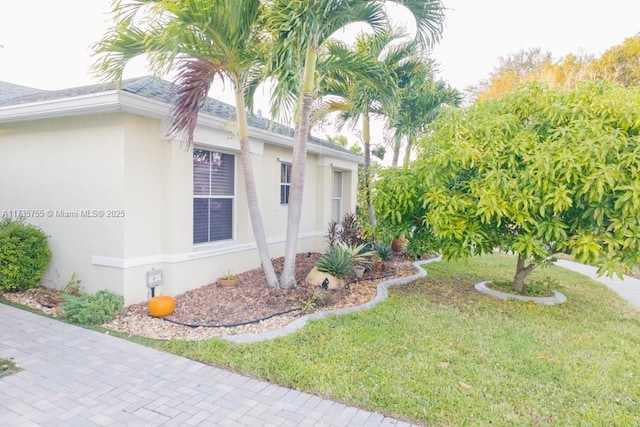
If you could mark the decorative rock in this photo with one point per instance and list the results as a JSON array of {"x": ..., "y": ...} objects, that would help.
[
  {"x": 557, "y": 297},
  {"x": 316, "y": 278}
]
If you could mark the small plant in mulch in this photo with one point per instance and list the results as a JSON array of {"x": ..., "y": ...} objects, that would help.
[{"x": 308, "y": 303}]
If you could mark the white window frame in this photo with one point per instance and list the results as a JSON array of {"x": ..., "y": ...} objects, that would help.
[
  {"x": 231, "y": 197},
  {"x": 339, "y": 198},
  {"x": 285, "y": 186}
]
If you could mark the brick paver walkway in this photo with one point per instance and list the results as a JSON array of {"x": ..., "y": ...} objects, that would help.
[{"x": 76, "y": 377}]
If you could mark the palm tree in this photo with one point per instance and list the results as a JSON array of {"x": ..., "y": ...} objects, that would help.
[
  {"x": 201, "y": 40},
  {"x": 419, "y": 103},
  {"x": 299, "y": 29},
  {"x": 366, "y": 91}
]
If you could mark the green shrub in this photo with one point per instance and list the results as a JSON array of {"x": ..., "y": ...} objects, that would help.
[
  {"x": 93, "y": 309},
  {"x": 24, "y": 255},
  {"x": 336, "y": 262}
]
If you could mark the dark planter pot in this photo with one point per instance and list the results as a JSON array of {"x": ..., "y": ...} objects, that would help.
[{"x": 398, "y": 244}]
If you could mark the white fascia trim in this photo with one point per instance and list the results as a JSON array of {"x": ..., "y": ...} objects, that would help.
[
  {"x": 117, "y": 100},
  {"x": 94, "y": 103},
  {"x": 287, "y": 141},
  {"x": 123, "y": 263}
]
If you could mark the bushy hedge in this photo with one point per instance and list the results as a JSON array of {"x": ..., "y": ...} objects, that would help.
[{"x": 24, "y": 255}]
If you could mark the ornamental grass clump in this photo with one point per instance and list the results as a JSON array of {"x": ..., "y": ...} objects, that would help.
[
  {"x": 24, "y": 255},
  {"x": 93, "y": 309}
]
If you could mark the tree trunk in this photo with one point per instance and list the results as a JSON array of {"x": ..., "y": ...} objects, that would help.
[
  {"x": 397, "y": 145},
  {"x": 521, "y": 274},
  {"x": 288, "y": 278},
  {"x": 407, "y": 153},
  {"x": 366, "y": 139},
  {"x": 250, "y": 188}
]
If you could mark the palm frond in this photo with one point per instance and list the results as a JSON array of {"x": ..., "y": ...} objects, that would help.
[
  {"x": 429, "y": 17},
  {"x": 193, "y": 81}
]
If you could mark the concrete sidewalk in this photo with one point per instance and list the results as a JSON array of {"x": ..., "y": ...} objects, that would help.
[
  {"x": 72, "y": 376},
  {"x": 628, "y": 288}
]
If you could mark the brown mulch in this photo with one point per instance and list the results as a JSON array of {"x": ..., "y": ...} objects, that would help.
[
  {"x": 246, "y": 305},
  {"x": 253, "y": 299}
]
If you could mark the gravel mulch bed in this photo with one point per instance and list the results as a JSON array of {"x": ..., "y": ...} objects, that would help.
[{"x": 239, "y": 309}]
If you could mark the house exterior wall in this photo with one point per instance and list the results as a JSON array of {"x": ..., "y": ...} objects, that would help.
[
  {"x": 122, "y": 166},
  {"x": 60, "y": 171}
]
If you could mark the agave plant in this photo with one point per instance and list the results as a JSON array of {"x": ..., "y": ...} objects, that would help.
[
  {"x": 383, "y": 250},
  {"x": 336, "y": 262}
]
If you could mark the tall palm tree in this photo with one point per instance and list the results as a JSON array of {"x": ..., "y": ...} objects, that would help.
[
  {"x": 358, "y": 95},
  {"x": 300, "y": 28},
  {"x": 201, "y": 40},
  {"x": 419, "y": 103}
]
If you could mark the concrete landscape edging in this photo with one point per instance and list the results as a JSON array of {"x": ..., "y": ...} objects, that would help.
[
  {"x": 557, "y": 298},
  {"x": 381, "y": 295}
]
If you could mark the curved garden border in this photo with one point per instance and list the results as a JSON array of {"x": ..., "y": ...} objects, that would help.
[
  {"x": 557, "y": 298},
  {"x": 381, "y": 295}
]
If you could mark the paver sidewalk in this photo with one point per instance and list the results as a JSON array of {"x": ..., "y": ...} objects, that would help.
[
  {"x": 76, "y": 377},
  {"x": 628, "y": 287}
]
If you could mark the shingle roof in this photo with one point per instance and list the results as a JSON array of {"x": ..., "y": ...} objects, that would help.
[
  {"x": 148, "y": 87},
  {"x": 9, "y": 91}
]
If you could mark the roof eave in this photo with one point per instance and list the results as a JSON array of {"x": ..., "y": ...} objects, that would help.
[{"x": 114, "y": 101}]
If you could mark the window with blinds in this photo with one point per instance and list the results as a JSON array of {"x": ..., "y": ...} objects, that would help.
[
  {"x": 285, "y": 183},
  {"x": 213, "y": 194},
  {"x": 336, "y": 196}
]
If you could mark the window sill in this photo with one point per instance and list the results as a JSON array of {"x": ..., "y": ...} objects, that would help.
[{"x": 214, "y": 246}]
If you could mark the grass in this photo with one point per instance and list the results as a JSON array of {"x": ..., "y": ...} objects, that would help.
[
  {"x": 437, "y": 352},
  {"x": 7, "y": 367}
]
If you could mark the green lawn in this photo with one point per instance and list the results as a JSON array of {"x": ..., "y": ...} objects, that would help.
[{"x": 438, "y": 352}]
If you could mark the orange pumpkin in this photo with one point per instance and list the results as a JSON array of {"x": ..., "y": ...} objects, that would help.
[{"x": 161, "y": 306}]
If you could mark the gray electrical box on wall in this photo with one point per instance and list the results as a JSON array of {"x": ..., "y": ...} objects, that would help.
[{"x": 154, "y": 278}]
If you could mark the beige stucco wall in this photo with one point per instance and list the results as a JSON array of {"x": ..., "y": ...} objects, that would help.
[
  {"x": 58, "y": 168},
  {"x": 122, "y": 166}
]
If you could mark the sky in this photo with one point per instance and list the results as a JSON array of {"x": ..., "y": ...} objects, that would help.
[{"x": 45, "y": 44}]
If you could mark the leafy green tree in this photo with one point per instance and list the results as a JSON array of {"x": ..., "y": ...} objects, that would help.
[
  {"x": 201, "y": 40},
  {"x": 342, "y": 141},
  {"x": 299, "y": 30},
  {"x": 537, "y": 172},
  {"x": 512, "y": 71},
  {"x": 620, "y": 63}
]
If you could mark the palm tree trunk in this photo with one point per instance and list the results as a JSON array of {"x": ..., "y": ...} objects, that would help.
[
  {"x": 396, "y": 150},
  {"x": 366, "y": 139},
  {"x": 407, "y": 153},
  {"x": 250, "y": 188},
  {"x": 298, "y": 166}
]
